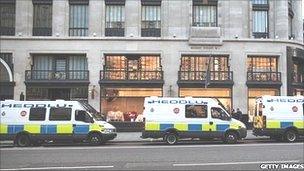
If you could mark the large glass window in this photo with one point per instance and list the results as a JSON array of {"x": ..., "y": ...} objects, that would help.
[
  {"x": 42, "y": 20},
  {"x": 204, "y": 15},
  {"x": 261, "y": 68},
  {"x": 79, "y": 19},
  {"x": 224, "y": 95},
  {"x": 260, "y": 18},
  {"x": 7, "y": 17},
  {"x": 115, "y": 20},
  {"x": 195, "y": 67},
  {"x": 37, "y": 114},
  {"x": 151, "y": 21},
  {"x": 125, "y": 104},
  {"x": 132, "y": 67},
  {"x": 254, "y": 93},
  {"x": 60, "y": 114}
]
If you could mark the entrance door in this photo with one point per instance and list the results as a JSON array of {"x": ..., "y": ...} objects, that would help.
[{"x": 62, "y": 93}]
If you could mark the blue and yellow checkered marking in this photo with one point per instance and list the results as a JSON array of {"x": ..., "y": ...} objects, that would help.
[
  {"x": 50, "y": 129},
  {"x": 194, "y": 127}
]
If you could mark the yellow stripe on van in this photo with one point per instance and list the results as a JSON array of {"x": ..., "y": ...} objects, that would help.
[
  {"x": 234, "y": 126},
  {"x": 3, "y": 129},
  {"x": 152, "y": 126},
  {"x": 181, "y": 126},
  {"x": 64, "y": 129},
  {"x": 298, "y": 124},
  {"x": 32, "y": 128},
  {"x": 273, "y": 124},
  {"x": 96, "y": 127},
  {"x": 207, "y": 127}
]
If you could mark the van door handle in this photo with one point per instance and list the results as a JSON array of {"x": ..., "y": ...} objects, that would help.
[{"x": 211, "y": 123}]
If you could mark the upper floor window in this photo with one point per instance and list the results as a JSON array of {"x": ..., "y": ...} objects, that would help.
[
  {"x": 133, "y": 67},
  {"x": 151, "y": 18},
  {"x": 79, "y": 18},
  {"x": 290, "y": 20},
  {"x": 262, "y": 64},
  {"x": 204, "y": 13},
  {"x": 42, "y": 19},
  {"x": 115, "y": 18},
  {"x": 260, "y": 18},
  {"x": 7, "y": 17}
]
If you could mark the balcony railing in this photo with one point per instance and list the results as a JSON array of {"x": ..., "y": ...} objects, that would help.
[
  {"x": 118, "y": 32},
  {"x": 80, "y": 75},
  {"x": 7, "y": 31},
  {"x": 202, "y": 75},
  {"x": 130, "y": 75},
  {"x": 78, "y": 31},
  {"x": 264, "y": 76},
  {"x": 42, "y": 31},
  {"x": 150, "y": 32},
  {"x": 260, "y": 35}
]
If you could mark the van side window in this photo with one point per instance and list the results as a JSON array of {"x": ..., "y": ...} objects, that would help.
[
  {"x": 60, "y": 114},
  {"x": 196, "y": 111},
  {"x": 218, "y": 113},
  {"x": 37, "y": 114},
  {"x": 81, "y": 115}
]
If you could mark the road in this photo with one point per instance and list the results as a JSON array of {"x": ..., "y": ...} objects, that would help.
[{"x": 152, "y": 156}]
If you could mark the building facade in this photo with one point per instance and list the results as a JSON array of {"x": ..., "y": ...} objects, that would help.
[{"x": 113, "y": 53}]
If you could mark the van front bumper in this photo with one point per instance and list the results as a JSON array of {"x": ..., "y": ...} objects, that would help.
[
  {"x": 243, "y": 132},
  {"x": 109, "y": 136}
]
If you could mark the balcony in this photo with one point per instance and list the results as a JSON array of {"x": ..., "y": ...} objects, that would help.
[
  {"x": 264, "y": 79},
  {"x": 49, "y": 76},
  {"x": 131, "y": 77},
  {"x": 198, "y": 78},
  {"x": 42, "y": 31}
]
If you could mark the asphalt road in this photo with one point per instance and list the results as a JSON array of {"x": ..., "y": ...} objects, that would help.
[{"x": 152, "y": 156}]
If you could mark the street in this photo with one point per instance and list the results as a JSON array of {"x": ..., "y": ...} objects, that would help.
[{"x": 248, "y": 154}]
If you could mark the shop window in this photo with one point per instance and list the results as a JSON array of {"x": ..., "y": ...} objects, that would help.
[
  {"x": 196, "y": 111},
  {"x": 37, "y": 114},
  {"x": 125, "y": 104},
  {"x": 60, "y": 114},
  {"x": 222, "y": 94},
  {"x": 254, "y": 93}
]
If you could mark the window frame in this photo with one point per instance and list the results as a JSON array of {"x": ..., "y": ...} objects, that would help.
[
  {"x": 84, "y": 30},
  {"x": 9, "y": 26},
  {"x": 39, "y": 119},
  {"x": 206, "y": 5},
  {"x": 204, "y": 108},
  {"x": 47, "y": 30},
  {"x": 114, "y": 31},
  {"x": 51, "y": 116},
  {"x": 221, "y": 116}
]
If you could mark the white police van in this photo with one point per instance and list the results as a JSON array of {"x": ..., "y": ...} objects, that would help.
[
  {"x": 174, "y": 118},
  {"x": 33, "y": 122},
  {"x": 280, "y": 117}
]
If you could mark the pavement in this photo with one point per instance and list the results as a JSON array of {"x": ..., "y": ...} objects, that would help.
[{"x": 154, "y": 156}]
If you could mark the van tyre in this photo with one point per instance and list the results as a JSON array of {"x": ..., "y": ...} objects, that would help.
[
  {"x": 171, "y": 138},
  {"x": 290, "y": 136},
  {"x": 23, "y": 140},
  {"x": 231, "y": 138},
  {"x": 95, "y": 139}
]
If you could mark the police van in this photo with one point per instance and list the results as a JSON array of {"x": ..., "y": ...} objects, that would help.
[
  {"x": 280, "y": 117},
  {"x": 177, "y": 118},
  {"x": 33, "y": 122}
]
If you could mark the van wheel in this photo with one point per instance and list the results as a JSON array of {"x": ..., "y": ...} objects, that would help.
[
  {"x": 230, "y": 138},
  {"x": 290, "y": 136},
  {"x": 22, "y": 140},
  {"x": 171, "y": 138},
  {"x": 95, "y": 139}
]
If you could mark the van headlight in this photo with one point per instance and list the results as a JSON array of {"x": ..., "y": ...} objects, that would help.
[{"x": 109, "y": 130}]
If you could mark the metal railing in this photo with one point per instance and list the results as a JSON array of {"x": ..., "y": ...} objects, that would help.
[
  {"x": 119, "y": 32},
  {"x": 56, "y": 75},
  {"x": 202, "y": 75},
  {"x": 42, "y": 31},
  {"x": 264, "y": 76},
  {"x": 130, "y": 75}
]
